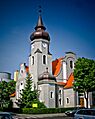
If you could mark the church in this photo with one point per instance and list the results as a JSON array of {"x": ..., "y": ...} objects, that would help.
[{"x": 53, "y": 78}]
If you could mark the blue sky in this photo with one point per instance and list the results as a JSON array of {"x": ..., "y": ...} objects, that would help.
[{"x": 70, "y": 23}]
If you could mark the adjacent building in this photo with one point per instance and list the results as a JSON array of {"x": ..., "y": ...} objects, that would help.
[{"x": 5, "y": 76}]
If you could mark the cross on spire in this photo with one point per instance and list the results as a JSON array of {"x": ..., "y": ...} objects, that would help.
[
  {"x": 40, "y": 9},
  {"x": 40, "y": 24}
]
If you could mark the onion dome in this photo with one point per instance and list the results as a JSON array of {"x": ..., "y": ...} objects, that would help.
[
  {"x": 46, "y": 75},
  {"x": 40, "y": 31}
]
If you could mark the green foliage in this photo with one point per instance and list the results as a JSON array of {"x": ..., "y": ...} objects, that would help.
[
  {"x": 84, "y": 75},
  {"x": 27, "y": 95},
  {"x": 6, "y": 88},
  {"x": 11, "y": 86},
  {"x": 44, "y": 110},
  {"x": 39, "y": 104}
]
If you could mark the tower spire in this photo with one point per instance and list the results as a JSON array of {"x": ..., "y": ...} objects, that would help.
[{"x": 40, "y": 24}]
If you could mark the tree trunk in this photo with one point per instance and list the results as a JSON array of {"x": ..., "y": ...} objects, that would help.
[{"x": 86, "y": 97}]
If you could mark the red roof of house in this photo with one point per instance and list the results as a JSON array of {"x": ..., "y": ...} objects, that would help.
[
  {"x": 56, "y": 66},
  {"x": 69, "y": 83}
]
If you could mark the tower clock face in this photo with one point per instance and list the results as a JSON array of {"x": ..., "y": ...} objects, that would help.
[{"x": 44, "y": 45}]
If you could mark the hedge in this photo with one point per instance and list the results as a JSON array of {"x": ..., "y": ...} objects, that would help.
[{"x": 44, "y": 110}]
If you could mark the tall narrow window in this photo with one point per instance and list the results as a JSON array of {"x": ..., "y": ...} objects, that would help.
[
  {"x": 67, "y": 100},
  {"x": 60, "y": 101},
  {"x": 21, "y": 71},
  {"x": 44, "y": 59},
  {"x": 71, "y": 64},
  {"x": 51, "y": 94},
  {"x": 60, "y": 92},
  {"x": 32, "y": 59}
]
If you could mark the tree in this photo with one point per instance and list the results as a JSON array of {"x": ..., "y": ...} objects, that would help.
[
  {"x": 6, "y": 88},
  {"x": 27, "y": 95},
  {"x": 84, "y": 77},
  {"x": 11, "y": 86}
]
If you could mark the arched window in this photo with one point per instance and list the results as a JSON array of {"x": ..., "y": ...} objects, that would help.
[
  {"x": 51, "y": 94},
  {"x": 32, "y": 60},
  {"x": 67, "y": 100},
  {"x": 60, "y": 101},
  {"x": 21, "y": 71},
  {"x": 44, "y": 59},
  {"x": 60, "y": 92},
  {"x": 71, "y": 64}
]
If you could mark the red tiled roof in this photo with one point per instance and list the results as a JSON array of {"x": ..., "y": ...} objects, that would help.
[
  {"x": 70, "y": 81},
  {"x": 61, "y": 83},
  {"x": 13, "y": 94},
  {"x": 27, "y": 69},
  {"x": 56, "y": 66}
]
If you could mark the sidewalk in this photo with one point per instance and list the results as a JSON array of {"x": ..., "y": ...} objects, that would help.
[{"x": 40, "y": 115}]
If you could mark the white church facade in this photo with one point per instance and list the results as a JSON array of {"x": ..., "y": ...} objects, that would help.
[{"x": 53, "y": 78}]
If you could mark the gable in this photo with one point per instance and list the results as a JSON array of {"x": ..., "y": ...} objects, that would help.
[
  {"x": 70, "y": 81},
  {"x": 56, "y": 66}
]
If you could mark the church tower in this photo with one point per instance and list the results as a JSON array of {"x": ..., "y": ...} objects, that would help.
[{"x": 40, "y": 57}]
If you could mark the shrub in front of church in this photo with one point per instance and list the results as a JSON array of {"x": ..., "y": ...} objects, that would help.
[{"x": 44, "y": 110}]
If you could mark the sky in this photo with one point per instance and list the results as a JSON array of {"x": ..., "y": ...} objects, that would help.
[{"x": 70, "y": 24}]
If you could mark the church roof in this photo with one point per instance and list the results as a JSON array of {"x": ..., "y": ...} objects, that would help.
[
  {"x": 70, "y": 81},
  {"x": 56, "y": 66}
]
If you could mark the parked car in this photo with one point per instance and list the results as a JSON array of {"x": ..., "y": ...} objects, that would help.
[
  {"x": 71, "y": 112},
  {"x": 5, "y": 115},
  {"x": 85, "y": 114}
]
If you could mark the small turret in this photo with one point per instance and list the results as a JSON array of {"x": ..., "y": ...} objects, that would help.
[{"x": 46, "y": 75}]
